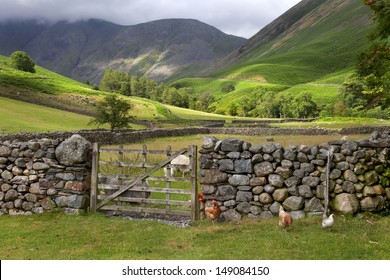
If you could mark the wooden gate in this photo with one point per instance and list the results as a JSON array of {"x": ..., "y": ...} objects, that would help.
[{"x": 129, "y": 180}]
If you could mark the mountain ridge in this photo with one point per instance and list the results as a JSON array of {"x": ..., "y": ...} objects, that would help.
[{"x": 163, "y": 50}]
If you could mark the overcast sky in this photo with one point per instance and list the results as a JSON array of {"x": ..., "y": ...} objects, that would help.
[{"x": 238, "y": 17}]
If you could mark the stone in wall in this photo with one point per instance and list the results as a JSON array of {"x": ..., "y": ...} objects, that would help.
[{"x": 73, "y": 150}]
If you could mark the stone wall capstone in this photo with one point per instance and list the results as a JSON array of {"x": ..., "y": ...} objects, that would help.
[
  {"x": 254, "y": 180},
  {"x": 44, "y": 174}
]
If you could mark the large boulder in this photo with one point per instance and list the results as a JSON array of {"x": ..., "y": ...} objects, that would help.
[
  {"x": 293, "y": 203},
  {"x": 346, "y": 203},
  {"x": 73, "y": 150},
  {"x": 313, "y": 205},
  {"x": 372, "y": 204},
  {"x": 230, "y": 215}
]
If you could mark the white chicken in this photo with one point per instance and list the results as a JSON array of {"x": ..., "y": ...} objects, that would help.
[{"x": 328, "y": 222}]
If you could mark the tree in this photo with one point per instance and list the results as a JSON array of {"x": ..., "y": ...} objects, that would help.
[
  {"x": 204, "y": 101},
  {"x": 20, "y": 60},
  {"x": 232, "y": 110},
  {"x": 304, "y": 106},
  {"x": 381, "y": 12},
  {"x": 116, "y": 81},
  {"x": 373, "y": 69},
  {"x": 114, "y": 111}
]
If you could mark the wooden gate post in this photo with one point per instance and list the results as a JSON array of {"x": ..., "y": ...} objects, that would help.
[
  {"x": 94, "y": 176},
  {"x": 193, "y": 152}
]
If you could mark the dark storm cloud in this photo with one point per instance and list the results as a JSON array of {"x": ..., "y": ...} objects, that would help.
[{"x": 238, "y": 17}]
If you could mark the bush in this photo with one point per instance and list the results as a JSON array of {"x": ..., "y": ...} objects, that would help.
[
  {"x": 227, "y": 87},
  {"x": 21, "y": 61}
]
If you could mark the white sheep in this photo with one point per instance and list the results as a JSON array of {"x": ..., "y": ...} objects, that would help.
[
  {"x": 179, "y": 160},
  {"x": 344, "y": 138}
]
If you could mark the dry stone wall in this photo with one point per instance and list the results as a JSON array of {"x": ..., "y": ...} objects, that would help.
[
  {"x": 254, "y": 180},
  {"x": 45, "y": 174}
]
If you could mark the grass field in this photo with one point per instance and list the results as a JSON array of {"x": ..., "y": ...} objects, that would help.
[
  {"x": 17, "y": 117},
  {"x": 56, "y": 236}
]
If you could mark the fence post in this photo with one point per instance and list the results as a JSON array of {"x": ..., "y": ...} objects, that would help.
[
  {"x": 168, "y": 182},
  {"x": 120, "y": 174},
  {"x": 94, "y": 176},
  {"x": 193, "y": 152}
]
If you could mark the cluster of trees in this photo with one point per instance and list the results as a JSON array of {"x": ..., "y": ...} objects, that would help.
[
  {"x": 368, "y": 89},
  {"x": 126, "y": 84},
  {"x": 286, "y": 105},
  {"x": 269, "y": 104},
  {"x": 260, "y": 104}
]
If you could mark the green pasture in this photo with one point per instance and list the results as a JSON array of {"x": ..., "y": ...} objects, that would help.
[
  {"x": 336, "y": 123},
  {"x": 19, "y": 117},
  {"x": 188, "y": 114},
  {"x": 56, "y": 236}
]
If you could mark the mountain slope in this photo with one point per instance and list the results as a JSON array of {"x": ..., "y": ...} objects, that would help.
[
  {"x": 313, "y": 39},
  {"x": 311, "y": 48},
  {"x": 162, "y": 50}
]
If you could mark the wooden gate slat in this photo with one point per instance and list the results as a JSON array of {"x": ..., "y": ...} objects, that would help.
[
  {"x": 147, "y": 189},
  {"x": 147, "y": 200},
  {"x": 145, "y": 210}
]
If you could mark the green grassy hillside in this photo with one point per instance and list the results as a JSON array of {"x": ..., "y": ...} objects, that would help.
[
  {"x": 46, "y": 101},
  {"x": 50, "y": 89},
  {"x": 312, "y": 47},
  {"x": 323, "y": 41}
]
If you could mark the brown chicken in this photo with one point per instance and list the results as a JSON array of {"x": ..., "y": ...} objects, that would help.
[
  {"x": 202, "y": 204},
  {"x": 201, "y": 199},
  {"x": 213, "y": 212},
  {"x": 285, "y": 219}
]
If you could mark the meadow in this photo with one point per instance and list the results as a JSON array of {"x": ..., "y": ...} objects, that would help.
[
  {"x": 56, "y": 236},
  {"x": 35, "y": 118}
]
